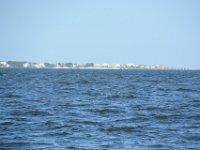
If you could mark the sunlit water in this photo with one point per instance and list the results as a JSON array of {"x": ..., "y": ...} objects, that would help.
[{"x": 99, "y": 109}]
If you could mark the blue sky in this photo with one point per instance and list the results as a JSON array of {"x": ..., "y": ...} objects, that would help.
[{"x": 147, "y": 32}]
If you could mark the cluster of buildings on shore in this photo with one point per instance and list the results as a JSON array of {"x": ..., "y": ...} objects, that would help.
[{"x": 23, "y": 64}]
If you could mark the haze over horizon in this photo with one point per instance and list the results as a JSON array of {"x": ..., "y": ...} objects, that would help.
[{"x": 139, "y": 32}]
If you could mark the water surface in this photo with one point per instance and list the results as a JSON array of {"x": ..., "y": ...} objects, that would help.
[{"x": 99, "y": 109}]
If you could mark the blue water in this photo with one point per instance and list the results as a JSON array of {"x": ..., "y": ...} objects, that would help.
[{"x": 99, "y": 109}]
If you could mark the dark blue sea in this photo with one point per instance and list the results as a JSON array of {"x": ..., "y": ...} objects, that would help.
[{"x": 99, "y": 109}]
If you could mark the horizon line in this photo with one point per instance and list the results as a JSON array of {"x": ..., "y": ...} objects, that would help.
[{"x": 137, "y": 64}]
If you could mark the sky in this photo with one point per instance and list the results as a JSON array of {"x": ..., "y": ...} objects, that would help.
[{"x": 150, "y": 32}]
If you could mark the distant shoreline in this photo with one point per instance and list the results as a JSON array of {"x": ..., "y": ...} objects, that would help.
[
  {"x": 104, "y": 69},
  {"x": 87, "y": 66}
]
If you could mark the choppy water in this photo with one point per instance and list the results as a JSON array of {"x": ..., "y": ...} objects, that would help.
[{"x": 96, "y": 109}]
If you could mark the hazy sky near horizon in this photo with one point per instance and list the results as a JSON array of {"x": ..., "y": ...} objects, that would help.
[{"x": 101, "y": 31}]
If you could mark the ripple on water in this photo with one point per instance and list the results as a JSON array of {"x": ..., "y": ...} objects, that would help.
[
  {"x": 168, "y": 116},
  {"x": 30, "y": 113},
  {"x": 122, "y": 97},
  {"x": 12, "y": 96},
  {"x": 124, "y": 129},
  {"x": 185, "y": 90},
  {"x": 107, "y": 111}
]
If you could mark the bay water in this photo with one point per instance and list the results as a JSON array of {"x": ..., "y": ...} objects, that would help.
[{"x": 99, "y": 109}]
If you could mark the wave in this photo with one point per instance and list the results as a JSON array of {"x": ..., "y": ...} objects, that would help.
[{"x": 185, "y": 90}]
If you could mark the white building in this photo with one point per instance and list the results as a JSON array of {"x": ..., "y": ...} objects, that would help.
[
  {"x": 40, "y": 65},
  {"x": 26, "y": 65},
  {"x": 4, "y": 64}
]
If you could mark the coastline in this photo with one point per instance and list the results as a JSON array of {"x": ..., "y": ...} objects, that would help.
[{"x": 87, "y": 66}]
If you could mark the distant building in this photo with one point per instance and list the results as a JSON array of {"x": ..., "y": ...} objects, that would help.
[
  {"x": 40, "y": 65},
  {"x": 26, "y": 65},
  {"x": 4, "y": 64}
]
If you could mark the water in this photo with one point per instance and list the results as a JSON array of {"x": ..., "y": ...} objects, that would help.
[{"x": 99, "y": 109}]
